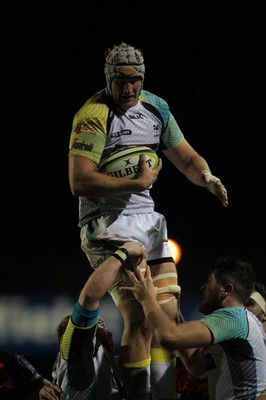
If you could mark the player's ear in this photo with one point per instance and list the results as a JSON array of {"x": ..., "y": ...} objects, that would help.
[{"x": 228, "y": 288}]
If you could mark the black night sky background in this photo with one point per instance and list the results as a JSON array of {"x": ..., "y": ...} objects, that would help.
[{"x": 205, "y": 58}]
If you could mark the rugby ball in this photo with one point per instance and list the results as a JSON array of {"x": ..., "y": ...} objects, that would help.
[{"x": 123, "y": 162}]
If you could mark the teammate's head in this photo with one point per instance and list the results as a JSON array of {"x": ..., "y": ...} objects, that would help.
[
  {"x": 257, "y": 303},
  {"x": 123, "y": 61},
  {"x": 231, "y": 281}
]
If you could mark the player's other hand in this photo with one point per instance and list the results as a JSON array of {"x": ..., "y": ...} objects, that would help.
[{"x": 215, "y": 186}]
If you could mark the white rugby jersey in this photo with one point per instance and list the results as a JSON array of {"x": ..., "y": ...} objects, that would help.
[
  {"x": 100, "y": 126},
  {"x": 236, "y": 362}
]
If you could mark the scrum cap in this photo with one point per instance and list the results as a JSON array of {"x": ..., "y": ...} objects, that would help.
[
  {"x": 259, "y": 300},
  {"x": 123, "y": 61}
]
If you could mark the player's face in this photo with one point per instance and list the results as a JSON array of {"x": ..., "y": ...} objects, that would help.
[
  {"x": 213, "y": 294},
  {"x": 125, "y": 91}
]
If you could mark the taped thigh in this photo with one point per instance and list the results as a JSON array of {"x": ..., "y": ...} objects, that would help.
[{"x": 167, "y": 286}]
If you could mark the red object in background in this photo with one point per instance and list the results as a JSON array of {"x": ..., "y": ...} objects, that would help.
[{"x": 189, "y": 386}]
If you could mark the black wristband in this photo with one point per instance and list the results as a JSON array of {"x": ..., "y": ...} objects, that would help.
[{"x": 121, "y": 254}]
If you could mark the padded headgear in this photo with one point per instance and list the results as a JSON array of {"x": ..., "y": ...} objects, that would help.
[
  {"x": 123, "y": 61},
  {"x": 256, "y": 296}
]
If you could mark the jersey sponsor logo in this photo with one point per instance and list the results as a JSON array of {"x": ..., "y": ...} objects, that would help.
[
  {"x": 81, "y": 127},
  {"x": 135, "y": 116},
  {"x": 124, "y": 132},
  {"x": 82, "y": 146}
]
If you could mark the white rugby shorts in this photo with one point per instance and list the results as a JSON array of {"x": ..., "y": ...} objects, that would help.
[{"x": 101, "y": 237}]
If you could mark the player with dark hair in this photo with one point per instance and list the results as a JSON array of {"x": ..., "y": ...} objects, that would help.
[{"x": 228, "y": 343}]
